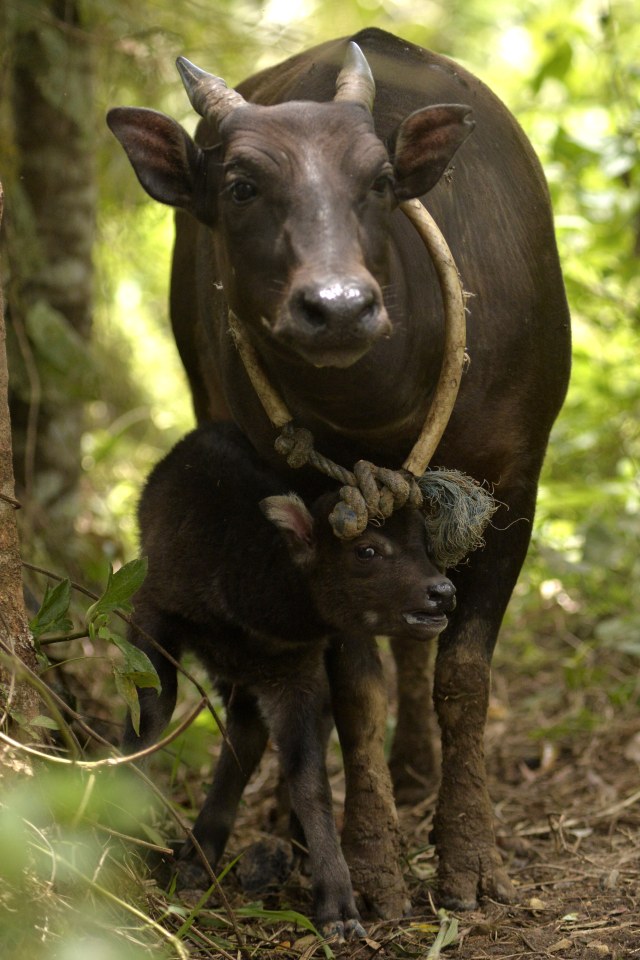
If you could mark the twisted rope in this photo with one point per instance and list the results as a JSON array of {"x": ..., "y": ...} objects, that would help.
[
  {"x": 456, "y": 507},
  {"x": 367, "y": 493}
]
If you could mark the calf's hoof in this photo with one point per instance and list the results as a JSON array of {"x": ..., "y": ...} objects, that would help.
[
  {"x": 192, "y": 875},
  {"x": 265, "y": 865}
]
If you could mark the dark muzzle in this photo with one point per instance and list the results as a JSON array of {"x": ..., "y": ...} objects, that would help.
[{"x": 333, "y": 322}]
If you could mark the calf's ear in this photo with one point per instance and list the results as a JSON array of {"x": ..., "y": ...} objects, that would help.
[
  {"x": 423, "y": 145},
  {"x": 163, "y": 155},
  {"x": 289, "y": 514}
]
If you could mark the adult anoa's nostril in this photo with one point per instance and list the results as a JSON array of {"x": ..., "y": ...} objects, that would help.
[
  {"x": 323, "y": 305},
  {"x": 313, "y": 310}
]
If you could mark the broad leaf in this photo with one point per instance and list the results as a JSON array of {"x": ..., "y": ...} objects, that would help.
[
  {"x": 121, "y": 586},
  {"x": 53, "y": 614}
]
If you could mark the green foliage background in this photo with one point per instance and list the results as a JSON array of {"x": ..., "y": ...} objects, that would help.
[{"x": 569, "y": 72}]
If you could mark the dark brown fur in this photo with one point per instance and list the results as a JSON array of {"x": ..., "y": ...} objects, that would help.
[
  {"x": 322, "y": 220},
  {"x": 245, "y": 577}
]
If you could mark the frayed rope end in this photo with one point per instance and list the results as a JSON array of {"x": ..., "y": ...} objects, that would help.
[{"x": 457, "y": 510}]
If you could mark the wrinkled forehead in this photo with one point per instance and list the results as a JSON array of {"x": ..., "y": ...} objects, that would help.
[{"x": 341, "y": 129}]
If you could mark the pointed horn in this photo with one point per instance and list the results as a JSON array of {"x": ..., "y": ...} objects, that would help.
[
  {"x": 209, "y": 95},
  {"x": 355, "y": 81}
]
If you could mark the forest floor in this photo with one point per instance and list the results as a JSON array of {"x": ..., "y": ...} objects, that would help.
[{"x": 564, "y": 774}]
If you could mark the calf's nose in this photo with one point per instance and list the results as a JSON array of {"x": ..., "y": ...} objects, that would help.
[{"x": 442, "y": 594}]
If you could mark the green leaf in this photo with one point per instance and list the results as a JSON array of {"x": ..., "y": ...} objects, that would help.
[
  {"x": 121, "y": 586},
  {"x": 137, "y": 664},
  {"x": 42, "y": 721},
  {"x": 285, "y": 916},
  {"x": 129, "y": 693},
  {"x": 447, "y": 934},
  {"x": 64, "y": 358},
  {"x": 52, "y": 615},
  {"x": 135, "y": 673},
  {"x": 556, "y": 65}
]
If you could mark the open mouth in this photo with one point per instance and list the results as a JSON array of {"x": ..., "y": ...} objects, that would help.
[{"x": 420, "y": 618}]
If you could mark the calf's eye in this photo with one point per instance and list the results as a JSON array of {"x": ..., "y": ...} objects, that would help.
[{"x": 366, "y": 552}]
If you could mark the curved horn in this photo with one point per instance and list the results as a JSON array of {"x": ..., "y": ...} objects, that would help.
[
  {"x": 209, "y": 95},
  {"x": 355, "y": 81}
]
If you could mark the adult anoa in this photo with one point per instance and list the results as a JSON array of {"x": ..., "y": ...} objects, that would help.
[{"x": 288, "y": 216}]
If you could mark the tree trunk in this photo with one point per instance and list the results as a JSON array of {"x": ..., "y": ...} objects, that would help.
[
  {"x": 16, "y": 697},
  {"x": 50, "y": 231}
]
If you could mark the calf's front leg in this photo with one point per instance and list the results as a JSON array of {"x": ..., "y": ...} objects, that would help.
[
  {"x": 295, "y": 718},
  {"x": 240, "y": 754},
  {"x": 370, "y": 837}
]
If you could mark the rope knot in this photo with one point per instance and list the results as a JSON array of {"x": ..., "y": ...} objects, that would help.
[
  {"x": 373, "y": 494},
  {"x": 296, "y": 446}
]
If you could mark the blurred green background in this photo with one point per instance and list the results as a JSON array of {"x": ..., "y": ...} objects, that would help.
[
  {"x": 569, "y": 71},
  {"x": 98, "y": 394}
]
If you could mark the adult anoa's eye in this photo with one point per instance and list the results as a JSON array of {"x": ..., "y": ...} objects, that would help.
[
  {"x": 242, "y": 191},
  {"x": 381, "y": 183},
  {"x": 366, "y": 552}
]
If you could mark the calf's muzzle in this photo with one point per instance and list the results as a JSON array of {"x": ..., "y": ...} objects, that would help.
[
  {"x": 431, "y": 618},
  {"x": 441, "y": 595}
]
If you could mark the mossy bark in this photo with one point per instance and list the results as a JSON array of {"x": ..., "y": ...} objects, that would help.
[{"x": 15, "y": 641}]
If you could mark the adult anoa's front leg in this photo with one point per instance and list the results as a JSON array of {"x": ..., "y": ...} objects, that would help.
[
  {"x": 469, "y": 863},
  {"x": 295, "y": 717},
  {"x": 370, "y": 837}
]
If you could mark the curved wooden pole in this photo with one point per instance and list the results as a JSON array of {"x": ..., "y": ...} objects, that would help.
[
  {"x": 452, "y": 361},
  {"x": 455, "y": 338}
]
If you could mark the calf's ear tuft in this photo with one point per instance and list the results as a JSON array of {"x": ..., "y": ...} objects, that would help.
[{"x": 289, "y": 514}]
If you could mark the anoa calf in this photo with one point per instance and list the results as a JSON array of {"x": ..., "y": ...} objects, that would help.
[{"x": 255, "y": 584}]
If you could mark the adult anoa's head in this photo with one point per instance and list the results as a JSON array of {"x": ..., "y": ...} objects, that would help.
[{"x": 298, "y": 196}]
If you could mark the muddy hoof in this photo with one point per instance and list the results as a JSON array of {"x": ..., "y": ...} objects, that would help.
[
  {"x": 380, "y": 904},
  {"x": 464, "y": 895},
  {"x": 389, "y": 909},
  {"x": 265, "y": 865},
  {"x": 498, "y": 886},
  {"x": 191, "y": 875},
  {"x": 340, "y": 930}
]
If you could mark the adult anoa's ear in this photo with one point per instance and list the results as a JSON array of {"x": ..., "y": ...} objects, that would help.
[
  {"x": 289, "y": 514},
  {"x": 163, "y": 155},
  {"x": 423, "y": 145}
]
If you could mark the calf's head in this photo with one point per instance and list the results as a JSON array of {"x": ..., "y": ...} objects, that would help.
[
  {"x": 383, "y": 582},
  {"x": 298, "y": 196}
]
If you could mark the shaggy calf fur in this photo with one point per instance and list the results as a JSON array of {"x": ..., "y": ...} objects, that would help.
[{"x": 255, "y": 584}]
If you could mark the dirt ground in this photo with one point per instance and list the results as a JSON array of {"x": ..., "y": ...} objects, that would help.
[{"x": 564, "y": 774}]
